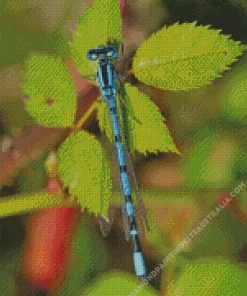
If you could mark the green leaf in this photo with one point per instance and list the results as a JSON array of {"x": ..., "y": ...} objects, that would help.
[
  {"x": 186, "y": 56},
  {"x": 51, "y": 91},
  {"x": 230, "y": 232},
  {"x": 23, "y": 40},
  {"x": 83, "y": 167},
  {"x": 14, "y": 116},
  {"x": 210, "y": 161},
  {"x": 240, "y": 166},
  {"x": 10, "y": 266},
  {"x": 87, "y": 259},
  {"x": 100, "y": 22},
  {"x": 25, "y": 203},
  {"x": 11, "y": 260},
  {"x": 7, "y": 283},
  {"x": 210, "y": 277},
  {"x": 14, "y": 43},
  {"x": 242, "y": 198},
  {"x": 143, "y": 124},
  {"x": 33, "y": 177},
  {"x": 233, "y": 94},
  {"x": 118, "y": 283}
]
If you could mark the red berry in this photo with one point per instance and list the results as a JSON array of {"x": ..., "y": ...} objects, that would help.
[{"x": 47, "y": 246}]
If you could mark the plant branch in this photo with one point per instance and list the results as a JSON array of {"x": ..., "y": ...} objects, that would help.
[
  {"x": 30, "y": 144},
  {"x": 86, "y": 116},
  {"x": 19, "y": 204}
]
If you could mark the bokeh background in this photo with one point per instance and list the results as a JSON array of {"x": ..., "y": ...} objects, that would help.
[{"x": 208, "y": 125}]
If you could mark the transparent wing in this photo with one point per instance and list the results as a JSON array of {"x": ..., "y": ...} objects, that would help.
[
  {"x": 140, "y": 203},
  {"x": 122, "y": 97},
  {"x": 117, "y": 197},
  {"x": 105, "y": 222},
  {"x": 105, "y": 226},
  {"x": 120, "y": 190},
  {"x": 139, "y": 199}
]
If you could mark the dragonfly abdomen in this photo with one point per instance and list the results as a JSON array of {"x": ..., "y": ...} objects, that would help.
[{"x": 129, "y": 210}]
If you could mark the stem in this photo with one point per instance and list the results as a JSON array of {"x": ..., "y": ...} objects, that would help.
[
  {"x": 19, "y": 204},
  {"x": 85, "y": 116},
  {"x": 129, "y": 73}
]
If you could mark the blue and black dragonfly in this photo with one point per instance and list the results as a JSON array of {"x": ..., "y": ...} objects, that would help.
[{"x": 107, "y": 77}]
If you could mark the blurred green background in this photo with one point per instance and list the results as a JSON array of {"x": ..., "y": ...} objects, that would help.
[{"x": 209, "y": 126}]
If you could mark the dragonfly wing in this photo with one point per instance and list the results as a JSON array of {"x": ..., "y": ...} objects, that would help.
[
  {"x": 104, "y": 225},
  {"x": 105, "y": 222},
  {"x": 123, "y": 206},
  {"x": 139, "y": 199},
  {"x": 122, "y": 97},
  {"x": 110, "y": 148},
  {"x": 125, "y": 222},
  {"x": 130, "y": 167}
]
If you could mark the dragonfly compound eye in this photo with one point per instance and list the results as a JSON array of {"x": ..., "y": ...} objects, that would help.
[
  {"x": 111, "y": 52},
  {"x": 92, "y": 55}
]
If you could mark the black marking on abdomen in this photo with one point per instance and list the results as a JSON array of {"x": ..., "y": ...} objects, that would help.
[
  {"x": 117, "y": 138},
  {"x": 136, "y": 243},
  {"x": 132, "y": 223},
  {"x": 128, "y": 198},
  {"x": 122, "y": 169},
  {"x": 105, "y": 75}
]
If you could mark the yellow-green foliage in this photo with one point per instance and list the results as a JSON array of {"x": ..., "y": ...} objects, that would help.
[
  {"x": 98, "y": 24},
  {"x": 118, "y": 283},
  {"x": 184, "y": 56},
  {"x": 144, "y": 127},
  {"x": 214, "y": 277},
  {"x": 84, "y": 169},
  {"x": 50, "y": 90},
  {"x": 233, "y": 94}
]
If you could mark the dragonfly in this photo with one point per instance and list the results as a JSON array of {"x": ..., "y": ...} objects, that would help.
[{"x": 107, "y": 79}]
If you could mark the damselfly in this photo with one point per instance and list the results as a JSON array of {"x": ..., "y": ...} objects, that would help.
[{"x": 107, "y": 80}]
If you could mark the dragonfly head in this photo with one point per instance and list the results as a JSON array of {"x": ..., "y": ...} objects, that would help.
[{"x": 102, "y": 52}]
